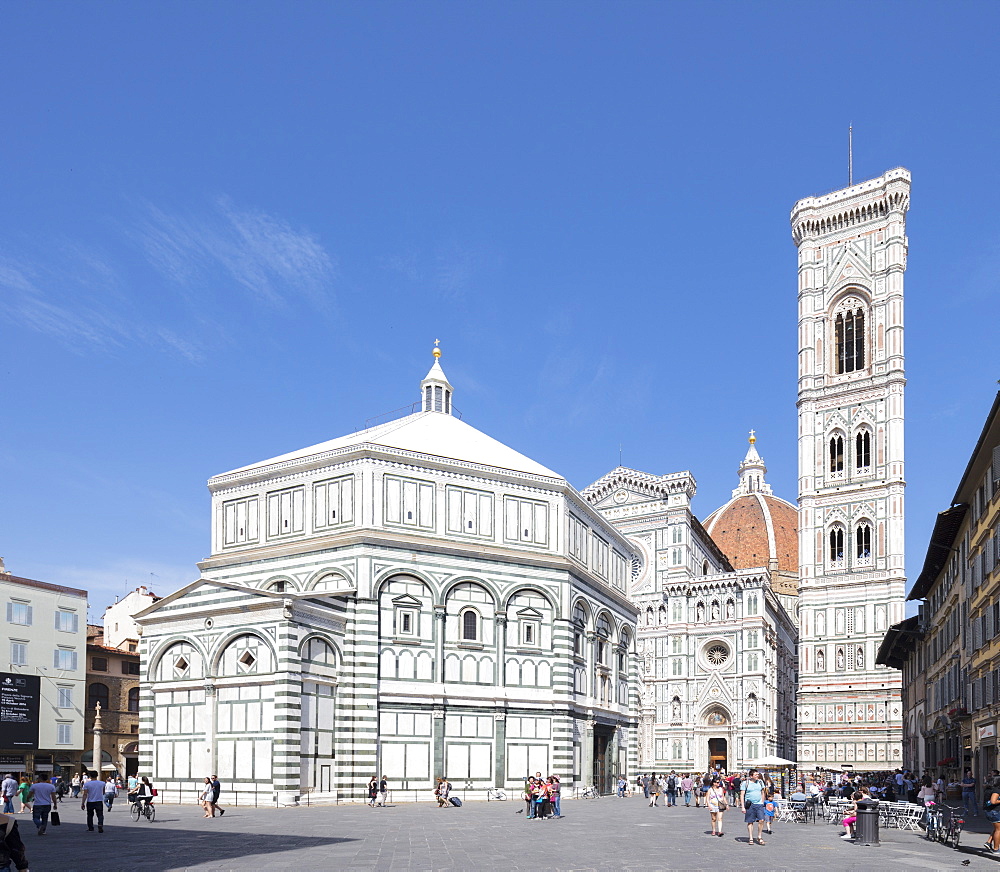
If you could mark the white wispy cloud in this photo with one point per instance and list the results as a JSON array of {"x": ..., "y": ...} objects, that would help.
[
  {"x": 260, "y": 253},
  {"x": 107, "y": 298}
]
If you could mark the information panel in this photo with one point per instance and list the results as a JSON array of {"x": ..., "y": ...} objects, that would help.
[{"x": 19, "y": 699}]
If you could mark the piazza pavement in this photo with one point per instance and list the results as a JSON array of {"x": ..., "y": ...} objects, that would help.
[{"x": 603, "y": 834}]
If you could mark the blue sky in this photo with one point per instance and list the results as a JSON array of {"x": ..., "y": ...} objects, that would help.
[{"x": 230, "y": 230}]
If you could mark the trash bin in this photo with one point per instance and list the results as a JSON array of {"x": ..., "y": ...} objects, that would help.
[{"x": 866, "y": 826}]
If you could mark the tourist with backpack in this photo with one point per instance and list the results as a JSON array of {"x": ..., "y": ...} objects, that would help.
[{"x": 672, "y": 788}]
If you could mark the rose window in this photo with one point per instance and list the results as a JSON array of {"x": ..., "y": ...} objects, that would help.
[{"x": 717, "y": 655}]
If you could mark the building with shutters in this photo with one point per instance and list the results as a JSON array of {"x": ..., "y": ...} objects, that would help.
[
  {"x": 416, "y": 599},
  {"x": 45, "y": 649},
  {"x": 949, "y": 653}
]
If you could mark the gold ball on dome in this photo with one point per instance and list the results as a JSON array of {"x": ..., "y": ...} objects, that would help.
[{"x": 436, "y": 352}]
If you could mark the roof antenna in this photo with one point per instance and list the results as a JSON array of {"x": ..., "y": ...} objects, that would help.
[
  {"x": 850, "y": 155},
  {"x": 619, "y": 454}
]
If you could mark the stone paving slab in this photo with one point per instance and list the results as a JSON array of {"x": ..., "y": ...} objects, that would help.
[{"x": 604, "y": 834}]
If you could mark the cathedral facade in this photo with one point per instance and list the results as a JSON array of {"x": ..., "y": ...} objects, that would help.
[
  {"x": 716, "y": 641},
  {"x": 852, "y": 255}
]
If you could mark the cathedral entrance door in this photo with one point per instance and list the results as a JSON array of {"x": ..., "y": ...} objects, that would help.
[
  {"x": 717, "y": 754},
  {"x": 602, "y": 738}
]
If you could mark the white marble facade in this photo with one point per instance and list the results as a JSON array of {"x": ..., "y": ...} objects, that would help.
[
  {"x": 716, "y": 646},
  {"x": 417, "y": 600},
  {"x": 852, "y": 250}
]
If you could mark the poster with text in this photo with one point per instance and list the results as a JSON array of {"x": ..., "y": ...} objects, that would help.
[{"x": 19, "y": 698}]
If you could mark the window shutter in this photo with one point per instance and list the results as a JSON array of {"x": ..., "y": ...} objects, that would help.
[
  {"x": 55, "y": 659},
  {"x": 10, "y": 613},
  {"x": 996, "y": 463}
]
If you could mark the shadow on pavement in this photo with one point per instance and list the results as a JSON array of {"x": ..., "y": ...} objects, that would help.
[{"x": 173, "y": 841}]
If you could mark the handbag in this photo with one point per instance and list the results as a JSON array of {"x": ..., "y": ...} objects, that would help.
[
  {"x": 54, "y": 817},
  {"x": 154, "y": 792}
]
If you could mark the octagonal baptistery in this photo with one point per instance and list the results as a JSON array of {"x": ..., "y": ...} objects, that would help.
[
  {"x": 415, "y": 600},
  {"x": 756, "y": 528}
]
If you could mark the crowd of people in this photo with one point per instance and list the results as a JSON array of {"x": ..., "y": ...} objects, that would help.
[{"x": 541, "y": 797}]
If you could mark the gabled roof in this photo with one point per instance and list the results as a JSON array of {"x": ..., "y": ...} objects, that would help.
[
  {"x": 939, "y": 549},
  {"x": 429, "y": 433}
]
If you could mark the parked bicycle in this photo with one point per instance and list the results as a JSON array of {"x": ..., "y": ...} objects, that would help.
[
  {"x": 495, "y": 793},
  {"x": 591, "y": 792},
  {"x": 944, "y": 825}
]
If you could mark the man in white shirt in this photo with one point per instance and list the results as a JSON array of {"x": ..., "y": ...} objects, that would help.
[
  {"x": 42, "y": 800},
  {"x": 93, "y": 801}
]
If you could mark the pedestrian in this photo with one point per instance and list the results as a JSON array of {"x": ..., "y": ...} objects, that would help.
[
  {"x": 93, "y": 801},
  {"x": 75, "y": 786},
  {"x": 8, "y": 790},
  {"x": 622, "y": 785},
  {"x": 216, "y": 792},
  {"x": 383, "y": 791},
  {"x": 753, "y": 803},
  {"x": 851, "y": 818},
  {"x": 672, "y": 782},
  {"x": 205, "y": 797},
  {"x": 687, "y": 785},
  {"x": 23, "y": 790},
  {"x": 110, "y": 792},
  {"x": 555, "y": 789},
  {"x": 645, "y": 786},
  {"x": 11, "y": 846},
  {"x": 991, "y": 808},
  {"x": 372, "y": 791},
  {"x": 969, "y": 802},
  {"x": 715, "y": 800},
  {"x": 133, "y": 783},
  {"x": 654, "y": 790},
  {"x": 43, "y": 796},
  {"x": 442, "y": 791},
  {"x": 527, "y": 795}
]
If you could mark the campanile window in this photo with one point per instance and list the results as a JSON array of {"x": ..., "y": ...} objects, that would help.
[{"x": 850, "y": 338}]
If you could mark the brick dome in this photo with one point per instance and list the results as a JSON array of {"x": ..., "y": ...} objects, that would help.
[{"x": 753, "y": 529}]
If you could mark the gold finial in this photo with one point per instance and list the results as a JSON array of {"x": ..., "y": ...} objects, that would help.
[
  {"x": 437, "y": 351},
  {"x": 753, "y": 438}
]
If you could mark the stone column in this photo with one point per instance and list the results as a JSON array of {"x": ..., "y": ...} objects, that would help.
[
  {"x": 98, "y": 732},
  {"x": 500, "y": 749},
  {"x": 211, "y": 724},
  {"x": 587, "y": 753},
  {"x": 439, "y": 625},
  {"x": 501, "y": 637}
]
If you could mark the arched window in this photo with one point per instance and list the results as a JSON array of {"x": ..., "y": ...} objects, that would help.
[
  {"x": 850, "y": 339},
  {"x": 837, "y": 453},
  {"x": 863, "y": 541},
  {"x": 863, "y": 450},
  {"x": 97, "y": 693},
  {"x": 837, "y": 543},
  {"x": 704, "y": 568},
  {"x": 470, "y": 625},
  {"x": 133, "y": 699},
  {"x": 580, "y": 623}
]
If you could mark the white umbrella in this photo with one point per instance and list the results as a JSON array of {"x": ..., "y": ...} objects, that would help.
[{"x": 772, "y": 761}]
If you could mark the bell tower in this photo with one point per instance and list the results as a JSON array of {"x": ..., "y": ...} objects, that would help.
[{"x": 852, "y": 255}]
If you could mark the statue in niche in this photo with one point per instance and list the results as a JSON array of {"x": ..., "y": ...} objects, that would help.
[
  {"x": 716, "y": 719},
  {"x": 700, "y": 612},
  {"x": 730, "y": 609},
  {"x": 860, "y": 659},
  {"x": 715, "y": 611},
  {"x": 840, "y": 658},
  {"x": 820, "y": 661},
  {"x": 752, "y": 708},
  {"x": 675, "y": 709}
]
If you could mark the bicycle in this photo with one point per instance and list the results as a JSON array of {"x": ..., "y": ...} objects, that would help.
[
  {"x": 495, "y": 794},
  {"x": 142, "y": 809},
  {"x": 591, "y": 792},
  {"x": 954, "y": 831}
]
